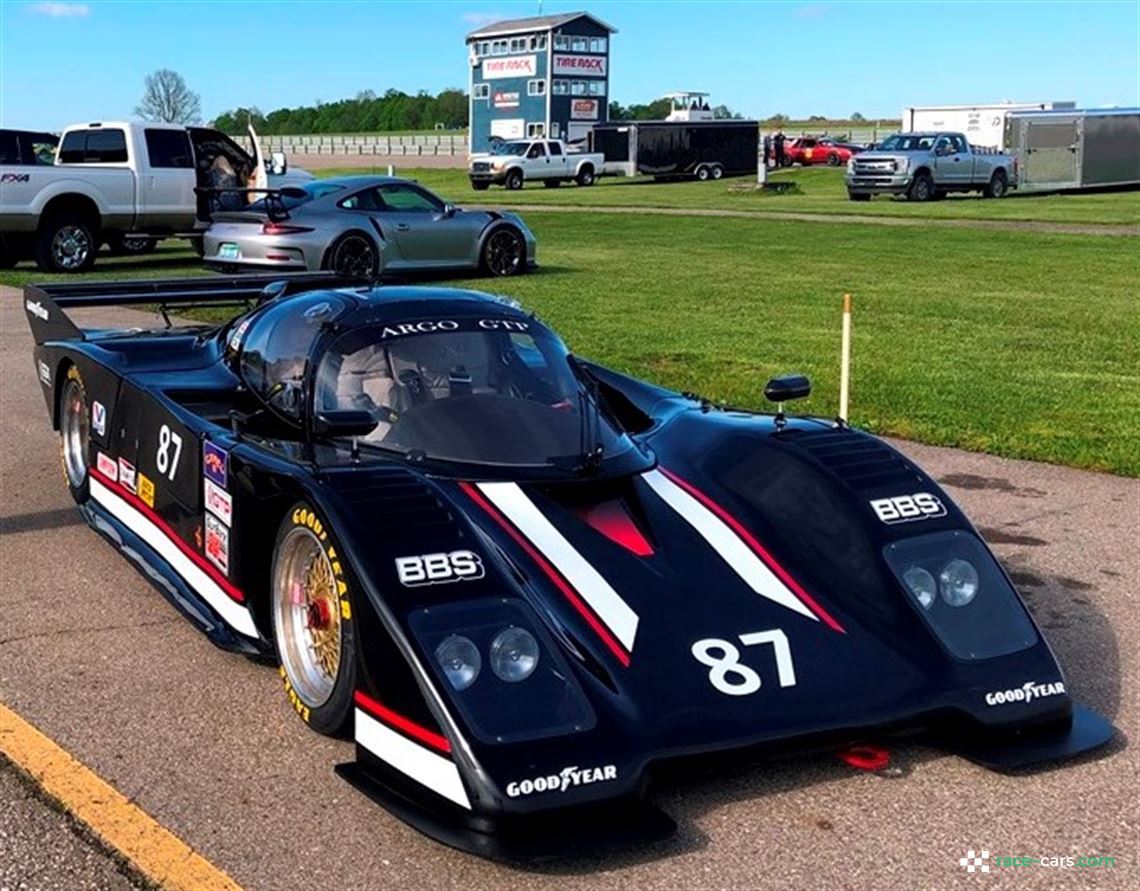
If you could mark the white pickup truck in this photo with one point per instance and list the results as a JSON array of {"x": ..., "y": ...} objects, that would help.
[
  {"x": 126, "y": 184},
  {"x": 511, "y": 164}
]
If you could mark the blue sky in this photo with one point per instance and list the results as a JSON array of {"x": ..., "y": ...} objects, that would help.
[{"x": 62, "y": 62}]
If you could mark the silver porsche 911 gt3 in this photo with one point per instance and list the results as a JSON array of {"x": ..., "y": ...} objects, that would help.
[{"x": 363, "y": 226}]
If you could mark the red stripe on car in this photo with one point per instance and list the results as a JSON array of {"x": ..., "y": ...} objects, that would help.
[{"x": 406, "y": 726}]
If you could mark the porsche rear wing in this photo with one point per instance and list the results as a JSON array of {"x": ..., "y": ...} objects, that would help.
[{"x": 47, "y": 305}]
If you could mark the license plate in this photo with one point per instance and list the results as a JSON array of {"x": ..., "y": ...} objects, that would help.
[{"x": 229, "y": 251}]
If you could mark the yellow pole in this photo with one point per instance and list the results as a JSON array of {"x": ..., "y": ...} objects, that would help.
[{"x": 845, "y": 360}]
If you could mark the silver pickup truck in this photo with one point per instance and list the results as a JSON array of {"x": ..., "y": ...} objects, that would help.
[{"x": 926, "y": 166}]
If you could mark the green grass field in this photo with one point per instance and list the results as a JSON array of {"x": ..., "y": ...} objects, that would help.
[
  {"x": 821, "y": 191},
  {"x": 1022, "y": 344}
]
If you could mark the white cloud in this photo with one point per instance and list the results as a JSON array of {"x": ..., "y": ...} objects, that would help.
[
  {"x": 479, "y": 19},
  {"x": 61, "y": 10}
]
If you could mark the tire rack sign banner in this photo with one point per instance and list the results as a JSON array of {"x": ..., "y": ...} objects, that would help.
[
  {"x": 512, "y": 66},
  {"x": 584, "y": 109},
  {"x": 505, "y": 100},
  {"x": 590, "y": 66}
]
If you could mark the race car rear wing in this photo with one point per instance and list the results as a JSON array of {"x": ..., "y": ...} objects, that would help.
[{"x": 47, "y": 305}]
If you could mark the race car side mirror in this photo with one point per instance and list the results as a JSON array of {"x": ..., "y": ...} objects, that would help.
[
  {"x": 348, "y": 422},
  {"x": 787, "y": 387}
]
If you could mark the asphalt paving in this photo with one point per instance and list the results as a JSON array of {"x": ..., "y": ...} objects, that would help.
[{"x": 206, "y": 743}]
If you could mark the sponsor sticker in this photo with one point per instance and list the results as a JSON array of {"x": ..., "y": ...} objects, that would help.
[
  {"x": 215, "y": 463},
  {"x": 217, "y": 543},
  {"x": 565, "y": 779},
  {"x": 99, "y": 418},
  {"x": 908, "y": 508},
  {"x": 1027, "y": 692},
  {"x": 219, "y": 502},
  {"x": 146, "y": 490},
  {"x": 107, "y": 466},
  {"x": 237, "y": 334},
  {"x": 127, "y": 476},
  {"x": 45, "y": 372},
  {"x": 37, "y": 309},
  {"x": 438, "y": 569}
]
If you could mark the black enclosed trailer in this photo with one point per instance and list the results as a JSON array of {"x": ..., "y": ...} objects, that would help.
[{"x": 678, "y": 149}]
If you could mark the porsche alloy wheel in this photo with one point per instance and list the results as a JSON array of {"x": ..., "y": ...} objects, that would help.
[
  {"x": 503, "y": 254},
  {"x": 312, "y": 622},
  {"x": 75, "y": 434},
  {"x": 353, "y": 256}
]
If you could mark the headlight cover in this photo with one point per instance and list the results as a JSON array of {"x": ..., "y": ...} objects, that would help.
[
  {"x": 961, "y": 593},
  {"x": 529, "y": 693}
]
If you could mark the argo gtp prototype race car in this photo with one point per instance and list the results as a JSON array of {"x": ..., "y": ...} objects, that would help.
[{"x": 519, "y": 579}]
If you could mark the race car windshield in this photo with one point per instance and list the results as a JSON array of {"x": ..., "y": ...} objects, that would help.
[{"x": 486, "y": 391}]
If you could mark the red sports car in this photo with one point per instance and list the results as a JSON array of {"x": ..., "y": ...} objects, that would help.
[{"x": 818, "y": 150}]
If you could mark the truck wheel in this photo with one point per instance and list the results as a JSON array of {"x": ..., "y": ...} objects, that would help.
[
  {"x": 480, "y": 185},
  {"x": 922, "y": 189},
  {"x": 131, "y": 245},
  {"x": 552, "y": 183},
  {"x": 585, "y": 176},
  {"x": 66, "y": 243},
  {"x": 997, "y": 186},
  {"x": 717, "y": 171},
  {"x": 504, "y": 252},
  {"x": 833, "y": 160},
  {"x": 702, "y": 174},
  {"x": 514, "y": 180},
  {"x": 858, "y": 196}
]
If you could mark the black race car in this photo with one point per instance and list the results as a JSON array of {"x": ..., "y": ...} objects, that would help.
[{"x": 521, "y": 580}]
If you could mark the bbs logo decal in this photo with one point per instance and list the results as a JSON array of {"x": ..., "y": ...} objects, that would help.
[
  {"x": 908, "y": 508},
  {"x": 439, "y": 569}
]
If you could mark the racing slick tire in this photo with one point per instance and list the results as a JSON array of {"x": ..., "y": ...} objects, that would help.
[
  {"x": 75, "y": 434},
  {"x": 585, "y": 176},
  {"x": 131, "y": 245},
  {"x": 353, "y": 255},
  {"x": 67, "y": 242},
  {"x": 703, "y": 174},
  {"x": 504, "y": 252},
  {"x": 313, "y": 625},
  {"x": 833, "y": 160},
  {"x": 480, "y": 185},
  {"x": 922, "y": 189},
  {"x": 997, "y": 187},
  {"x": 858, "y": 196},
  {"x": 514, "y": 180}
]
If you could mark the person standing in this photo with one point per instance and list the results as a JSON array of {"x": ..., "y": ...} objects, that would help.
[{"x": 778, "y": 146}]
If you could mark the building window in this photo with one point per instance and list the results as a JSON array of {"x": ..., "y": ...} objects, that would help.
[
  {"x": 561, "y": 42},
  {"x": 578, "y": 88},
  {"x": 597, "y": 88},
  {"x": 535, "y": 131},
  {"x": 555, "y": 131},
  {"x": 481, "y": 91},
  {"x": 538, "y": 42},
  {"x": 597, "y": 44},
  {"x": 560, "y": 87},
  {"x": 579, "y": 44},
  {"x": 499, "y": 48},
  {"x": 536, "y": 88},
  {"x": 518, "y": 44}
]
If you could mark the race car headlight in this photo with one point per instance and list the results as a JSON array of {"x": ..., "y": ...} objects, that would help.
[
  {"x": 958, "y": 582},
  {"x": 460, "y": 661},
  {"x": 514, "y": 655},
  {"x": 529, "y": 693},
  {"x": 961, "y": 593}
]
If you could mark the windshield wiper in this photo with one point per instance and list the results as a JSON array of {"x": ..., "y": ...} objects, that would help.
[{"x": 591, "y": 451}]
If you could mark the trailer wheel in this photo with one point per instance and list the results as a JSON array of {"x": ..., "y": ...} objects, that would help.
[
  {"x": 717, "y": 171},
  {"x": 703, "y": 173},
  {"x": 585, "y": 176},
  {"x": 997, "y": 186},
  {"x": 922, "y": 189},
  {"x": 514, "y": 180}
]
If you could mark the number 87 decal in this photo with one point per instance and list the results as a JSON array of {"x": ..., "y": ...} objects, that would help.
[{"x": 726, "y": 666}]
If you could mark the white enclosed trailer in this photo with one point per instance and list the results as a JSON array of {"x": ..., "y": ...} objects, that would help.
[
  {"x": 1079, "y": 149},
  {"x": 984, "y": 125}
]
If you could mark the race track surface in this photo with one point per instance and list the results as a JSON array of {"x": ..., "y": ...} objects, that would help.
[{"x": 206, "y": 742}]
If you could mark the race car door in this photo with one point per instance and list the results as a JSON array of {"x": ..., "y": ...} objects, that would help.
[{"x": 426, "y": 231}]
